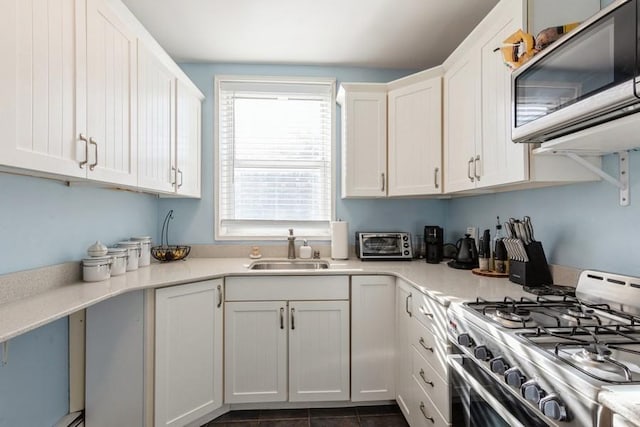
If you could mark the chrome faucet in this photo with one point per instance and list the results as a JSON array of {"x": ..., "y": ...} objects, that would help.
[{"x": 291, "y": 253}]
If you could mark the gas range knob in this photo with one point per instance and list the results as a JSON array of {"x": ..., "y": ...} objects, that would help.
[
  {"x": 498, "y": 365},
  {"x": 513, "y": 377},
  {"x": 553, "y": 408},
  {"x": 532, "y": 391},
  {"x": 483, "y": 353},
  {"x": 465, "y": 340}
]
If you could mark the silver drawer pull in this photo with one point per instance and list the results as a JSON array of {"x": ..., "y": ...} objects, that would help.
[
  {"x": 219, "y": 296},
  {"x": 94, "y": 164},
  {"x": 424, "y": 379},
  {"x": 435, "y": 177},
  {"x": 406, "y": 305},
  {"x": 293, "y": 320},
  {"x": 422, "y": 343},
  {"x": 281, "y": 318},
  {"x": 425, "y": 312},
  {"x": 86, "y": 151},
  {"x": 424, "y": 414}
]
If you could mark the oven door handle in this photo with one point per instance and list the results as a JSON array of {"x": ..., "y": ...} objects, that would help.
[{"x": 455, "y": 361}]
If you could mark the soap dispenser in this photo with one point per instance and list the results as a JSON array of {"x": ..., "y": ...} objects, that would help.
[{"x": 305, "y": 250}]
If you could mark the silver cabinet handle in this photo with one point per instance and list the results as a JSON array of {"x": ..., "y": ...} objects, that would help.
[
  {"x": 406, "y": 305},
  {"x": 469, "y": 169},
  {"x": 293, "y": 320},
  {"x": 383, "y": 181},
  {"x": 424, "y": 345},
  {"x": 180, "y": 173},
  {"x": 281, "y": 318},
  {"x": 86, "y": 151},
  {"x": 435, "y": 177},
  {"x": 426, "y": 313},
  {"x": 424, "y": 414},
  {"x": 93, "y": 142},
  {"x": 173, "y": 175},
  {"x": 424, "y": 379},
  {"x": 219, "y": 296},
  {"x": 475, "y": 167}
]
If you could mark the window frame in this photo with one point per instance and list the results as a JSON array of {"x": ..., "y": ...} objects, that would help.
[{"x": 331, "y": 82}]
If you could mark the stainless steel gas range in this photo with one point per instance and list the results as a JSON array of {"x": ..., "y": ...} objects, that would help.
[{"x": 543, "y": 360}]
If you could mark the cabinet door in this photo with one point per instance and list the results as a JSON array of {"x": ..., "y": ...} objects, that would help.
[
  {"x": 415, "y": 139},
  {"x": 364, "y": 143},
  {"x": 111, "y": 96},
  {"x": 403, "y": 369},
  {"x": 318, "y": 351},
  {"x": 114, "y": 370},
  {"x": 156, "y": 103},
  {"x": 373, "y": 331},
  {"x": 255, "y": 350},
  {"x": 188, "y": 142},
  {"x": 188, "y": 378},
  {"x": 500, "y": 161},
  {"x": 38, "y": 91},
  {"x": 461, "y": 121}
]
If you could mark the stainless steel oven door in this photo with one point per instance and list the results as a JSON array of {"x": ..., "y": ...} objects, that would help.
[{"x": 479, "y": 400}]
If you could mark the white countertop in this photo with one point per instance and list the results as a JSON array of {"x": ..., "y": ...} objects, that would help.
[
  {"x": 438, "y": 281},
  {"x": 623, "y": 400}
]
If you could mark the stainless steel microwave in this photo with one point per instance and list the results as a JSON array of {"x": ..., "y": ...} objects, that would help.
[
  {"x": 588, "y": 77},
  {"x": 383, "y": 246}
]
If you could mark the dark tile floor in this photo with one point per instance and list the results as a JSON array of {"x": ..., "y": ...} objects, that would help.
[{"x": 364, "y": 416}]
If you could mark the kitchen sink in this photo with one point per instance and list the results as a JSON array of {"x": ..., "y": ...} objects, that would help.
[{"x": 289, "y": 265}]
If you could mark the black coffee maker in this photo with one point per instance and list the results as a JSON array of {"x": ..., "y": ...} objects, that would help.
[{"x": 433, "y": 241}]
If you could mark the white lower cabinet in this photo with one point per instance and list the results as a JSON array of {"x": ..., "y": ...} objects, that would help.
[
  {"x": 318, "y": 351},
  {"x": 403, "y": 371},
  {"x": 288, "y": 349},
  {"x": 422, "y": 382},
  {"x": 188, "y": 352},
  {"x": 373, "y": 335},
  {"x": 255, "y": 349}
]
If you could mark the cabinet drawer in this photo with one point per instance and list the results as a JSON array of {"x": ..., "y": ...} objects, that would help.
[
  {"x": 275, "y": 288},
  {"x": 430, "y": 313},
  {"x": 424, "y": 412},
  {"x": 430, "y": 347},
  {"x": 432, "y": 384}
]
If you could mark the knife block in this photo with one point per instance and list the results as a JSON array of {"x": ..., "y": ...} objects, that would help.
[{"x": 535, "y": 272}]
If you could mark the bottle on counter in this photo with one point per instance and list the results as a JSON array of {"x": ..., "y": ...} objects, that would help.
[
  {"x": 305, "y": 250},
  {"x": 497, "y": 238},
  {"x": 484, "y": 251}
]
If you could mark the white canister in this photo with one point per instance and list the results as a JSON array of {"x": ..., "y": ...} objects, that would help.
[
  {"x": 145, "y": 250},
  {"x": 133, "y": 249},
  {"x": 97, "y": 268},
  {"x": 119, "y": 263}
]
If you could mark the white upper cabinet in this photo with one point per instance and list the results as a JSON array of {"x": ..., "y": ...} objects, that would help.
[
  {"x": 71, "y": 108},
  {"x": 478, "y": 150},
  {"x": 364, "y": 139},
  {"x": 188, "y": 141},
  {"x": 38, "y": 91},
  {"x": 415, "y": 134},
  {"x": 110, "y": 112},
  {"x": 461, "y": 122},
  {"x": 156, "y": 108}
]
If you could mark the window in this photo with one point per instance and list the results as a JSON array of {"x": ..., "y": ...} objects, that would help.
[{"x": 274, "y": 146}]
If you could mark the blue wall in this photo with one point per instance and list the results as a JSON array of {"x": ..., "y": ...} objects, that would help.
[
  {"x": 579, "y": 225},
  {"x": 44, "y": 222},
  {"x": 194, "y": 220}
]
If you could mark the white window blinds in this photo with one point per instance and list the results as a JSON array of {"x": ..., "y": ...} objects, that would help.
[{"x": 274, "y": 157}]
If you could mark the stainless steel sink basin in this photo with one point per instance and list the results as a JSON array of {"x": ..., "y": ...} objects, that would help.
[{"x": 289, "y": 265}]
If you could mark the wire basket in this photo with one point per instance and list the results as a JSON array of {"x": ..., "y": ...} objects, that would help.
[
  {"x": 170, "y": 253},
  {"x": 166, "y": 252}
]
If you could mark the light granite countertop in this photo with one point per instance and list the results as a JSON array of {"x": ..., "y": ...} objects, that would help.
[
  {"x": 22, "y": 313},
  {"x": 623, "y": 400}
]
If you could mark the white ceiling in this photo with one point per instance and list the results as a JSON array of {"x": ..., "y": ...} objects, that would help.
[{"x": 410, "y": 34}]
